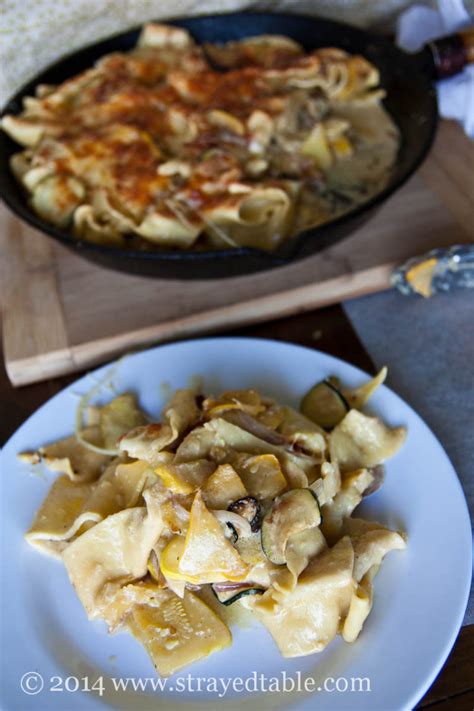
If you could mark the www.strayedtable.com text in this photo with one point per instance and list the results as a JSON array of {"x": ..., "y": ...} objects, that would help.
[{"x": 33, "y": 683}]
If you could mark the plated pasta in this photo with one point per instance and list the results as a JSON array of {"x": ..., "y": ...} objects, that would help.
[
  {"x": 175, "y": 145},
  {"x": 228, "y": 502}
]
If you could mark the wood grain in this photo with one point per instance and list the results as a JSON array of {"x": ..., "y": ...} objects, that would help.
[
  {"x": 63, "y": 314},
  {"x": 454, "y": 687},
  {"x": 33, "y": 319},
  {"x": 449, "y": 172}
]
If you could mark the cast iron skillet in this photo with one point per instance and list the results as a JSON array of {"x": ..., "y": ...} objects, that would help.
[{"x": 410, "y": 100}]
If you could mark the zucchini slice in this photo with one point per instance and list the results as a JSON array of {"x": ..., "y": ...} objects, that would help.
[
  {"x": 231, "y": 533},
  {"x": 250, "y": 509},
  {"x": 292, "y": 512},
  {"x": 228, "y": 594},
  {"x": 325, "y": 404}
]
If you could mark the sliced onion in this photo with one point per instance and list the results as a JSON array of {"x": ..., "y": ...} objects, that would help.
[
  {"x": 250, "y": 424},
  {"x": 238, "y": 522},
  {"x": 224, "y": 587}
]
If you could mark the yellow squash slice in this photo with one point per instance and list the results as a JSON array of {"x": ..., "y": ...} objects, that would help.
[
  {"x": 169, "y": 561},
  {"x": 178, "y": 632},
  {"x": 185, "y": 477},
  {"x": 223, "y": 487},
  {"x": 316, "y": 146},
  {"x": 207, "y": 556}
]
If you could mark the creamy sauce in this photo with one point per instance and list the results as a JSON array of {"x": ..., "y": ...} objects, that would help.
[
  {"x": 354, "y": 180},
  {"x": 234, "y": 615}
]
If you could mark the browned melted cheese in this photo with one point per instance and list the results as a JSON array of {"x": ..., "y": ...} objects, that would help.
[{"x": 114, "y": 125}]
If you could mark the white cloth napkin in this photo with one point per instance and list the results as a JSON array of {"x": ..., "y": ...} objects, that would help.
[
  {"x": 35, "y": 33},
  {"x": 419, "y": 25}
]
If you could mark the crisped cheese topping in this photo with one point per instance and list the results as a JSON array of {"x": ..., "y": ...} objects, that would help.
[{"x": 177, "y": 145}]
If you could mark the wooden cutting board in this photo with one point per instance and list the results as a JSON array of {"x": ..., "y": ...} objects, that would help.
[{"x": 62, "y": 314}]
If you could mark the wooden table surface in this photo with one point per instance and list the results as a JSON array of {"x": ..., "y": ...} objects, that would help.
[{"x": 328, "y": 330}]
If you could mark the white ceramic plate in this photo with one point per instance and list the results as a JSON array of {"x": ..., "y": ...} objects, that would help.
[{"x": 420, "y": 594}]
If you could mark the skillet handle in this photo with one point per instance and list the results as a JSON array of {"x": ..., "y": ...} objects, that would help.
[{"x": 451, "y": 54}]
